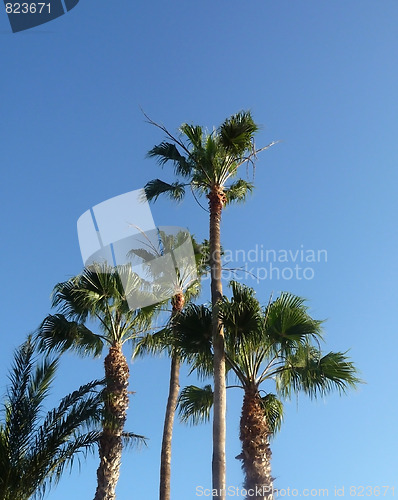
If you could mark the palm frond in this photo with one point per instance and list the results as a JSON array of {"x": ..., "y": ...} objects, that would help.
[
  {"x": 131, "y": 440},
  {"x": 156, "y": 187},
  {"x": 153, "y": 343},
  {"x": 193, "y": 338},
  {"x": 166, "y": 243},
  {"x": 168, "y": 152},
  {"x": 87, "y": 293},
  {"x": 108, "y": 295},
  {"x": 241, "y": 316},
  {"x": 195, "y": 403},
  {"x": 306, "y": 370},
  {"x": 273, "y": 411},
  {"x": 29, "y": 385},
  {"x": 236, "y": 133},
  {"x": 194, "y": 133},
  {"x": 56, "y": 333},
  {"x": 288, "y": 323},
  {"x": 34, "y": 450},
  {"x": 143, "y": 254},
  {"x": 238, "y": 191}
]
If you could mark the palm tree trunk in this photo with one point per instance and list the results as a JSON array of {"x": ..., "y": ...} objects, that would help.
[
  {"x": 116, "y": 404},
  {"x": 256, "y": 451},
  {"x": 165, "y": 459},
  {"x": 216, "y": 203},
  {"x": 178, "y": 302}
]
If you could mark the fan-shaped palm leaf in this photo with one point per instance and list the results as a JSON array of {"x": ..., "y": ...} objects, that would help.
[
  {"x": 195, "y": 403},
  {"x": 156, "y": 187},
  {"x": 59, "y": 334},
  {"x": 316, "y": 375}
]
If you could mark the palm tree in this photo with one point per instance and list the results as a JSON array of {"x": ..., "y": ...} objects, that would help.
[
  {"x": 101, "y": 293},
  {"x": 35, "y": 447},
  {"x": 185, "y": 284},
  {"x": 274, "y": 344},
  {"x": 207, "y": 163}
]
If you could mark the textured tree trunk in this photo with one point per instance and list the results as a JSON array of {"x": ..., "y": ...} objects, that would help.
[
  {"x": 165, "y": 457},
  {"x": 116, "y": 404},
  {"x": 216, "y": 203},
  {"x": 256, "y": 452}
]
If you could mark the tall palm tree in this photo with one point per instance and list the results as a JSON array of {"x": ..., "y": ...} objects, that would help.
[
  {"x": 207, "y": 163},
  {"x": 101, "y": 293},
  {"x": 276, "y": 344},
  {"x": 185, "y": 283},
  {"x": 35, "y": 447}
]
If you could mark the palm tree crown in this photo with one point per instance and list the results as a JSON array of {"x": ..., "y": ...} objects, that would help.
[
  {"x": 100, "y": 293},
  {"x": 103, "y": 294},
  {"x": 205, "y": 162},
  {"x": 278, "y": 344}
]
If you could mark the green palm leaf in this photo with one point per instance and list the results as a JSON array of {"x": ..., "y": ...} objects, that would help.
[
  {"x": 35, "y": 449},
  {"x": 238, "y": 191},
  {"x": 59, "y": 334},
  {"x": 288, "y": 323},
  {"x": 194, "y": 133},
  {"x": 153, "y": 343},
  {"x": 156, "y": 187},
  {"x": 165, "y": 152},
  {"x": 236, "y": 133},
  {"x": 242, "y": 315},
  {"x": 192, "y": 331},
  {"x": 273, "y": 411},
  {"x": 194, "y": 404},
  {"x": 306, "y": 370}
]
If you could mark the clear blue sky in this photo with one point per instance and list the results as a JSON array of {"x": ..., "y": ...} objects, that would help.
[{"x": 322, "y": 77}]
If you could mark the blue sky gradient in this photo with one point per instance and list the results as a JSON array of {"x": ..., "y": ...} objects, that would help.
[{"x": 321, "y": 77}]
